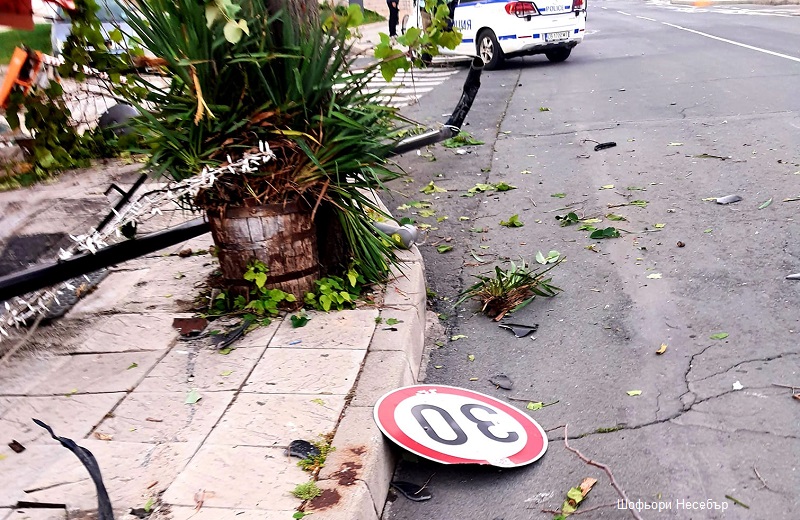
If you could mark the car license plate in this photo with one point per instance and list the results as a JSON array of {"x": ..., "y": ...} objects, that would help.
[{"x": 556, "y": 36}]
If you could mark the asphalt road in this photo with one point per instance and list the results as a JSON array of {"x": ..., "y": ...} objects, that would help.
[{"x": 667, "y": 85}]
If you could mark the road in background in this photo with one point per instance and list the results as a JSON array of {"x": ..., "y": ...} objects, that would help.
[{"x": 701, "y": 104}]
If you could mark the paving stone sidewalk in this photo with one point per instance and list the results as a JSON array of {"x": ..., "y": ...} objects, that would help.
[{"x": 114, "y": 376}]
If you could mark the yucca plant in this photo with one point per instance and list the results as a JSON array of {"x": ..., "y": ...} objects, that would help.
[
  {"x": 237, "y": 75},
  {"x": 510, "y": 289}
]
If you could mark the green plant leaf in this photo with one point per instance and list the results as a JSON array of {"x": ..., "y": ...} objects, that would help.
[
  {"x": 192, "y": 397},
  {"x": 612, "y": 216},
  {"x": 148, "y": 506},
  {"x": 607, "y": 187},
  {"x": 719, "y": 335},
  {"x": 535, "y": 405},
  {"x": 634, "y": 393},
  {"x": 512, "y": 222},
  {"x": 458, "y": 337},
  {"x": 559, "y": 195},
  {"x": 544, "y": 109},
  {"x": 639, "y": 203},
  {"x": 443, "y": 248},
  {"x": 502, "y": 186},
  {"x": 132, "y": 365},
  {"x": 432, "y": 188},
  {"x": 471, "y": 357},
  {"x": 659, "y": 226},
  {"x": 608, "y": 232},
  {"x": 765, "y": 204},
  {"x": 426, "y": 213},
  {"x": 393, "y": 321},
  {"x": 226, "y": 373},
  {"x": 299, "y": 320}
]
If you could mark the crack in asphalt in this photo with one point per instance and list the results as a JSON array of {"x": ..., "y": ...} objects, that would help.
[
  {"x": 771, "y": 358},
  {"x": 671, "y": 418}
]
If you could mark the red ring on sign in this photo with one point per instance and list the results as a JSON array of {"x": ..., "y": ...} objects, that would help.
[{"x": 384, "y": 416}]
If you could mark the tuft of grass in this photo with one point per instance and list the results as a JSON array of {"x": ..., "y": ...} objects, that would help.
[
  {"x": 307, "y": 491},
  {"x": 38, "y": 39},
  {"x": 509, "y": 290}
]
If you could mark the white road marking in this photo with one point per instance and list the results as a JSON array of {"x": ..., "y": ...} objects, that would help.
[
  {"x": 622, "y": 12},
  {"x": 738, "y": 44},
  {"x": 646, "y": 18}
]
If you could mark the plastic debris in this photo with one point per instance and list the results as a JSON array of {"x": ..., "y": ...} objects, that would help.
[
  {"x": 502, "y": 381},
  {"x": 519, "y": 329},
  {"x": 189, "y": 326},
  {"x": 301, "y": 449},
  {"x": 411, "y": 491},
  {"x": 728, "y": 199},
  {"x": 793, "y": 276},
  {"x": 603, "y": 146}
]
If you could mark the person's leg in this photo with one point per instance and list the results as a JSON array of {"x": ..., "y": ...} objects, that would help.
[{"x": 394, "y": 15}]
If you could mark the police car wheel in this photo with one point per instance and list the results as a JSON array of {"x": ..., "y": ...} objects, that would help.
[
  {"x": 558, "y": 55},
  {"x": 489, "y": 50}
]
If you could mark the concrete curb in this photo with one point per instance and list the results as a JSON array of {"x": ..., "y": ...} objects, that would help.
[{"x": 355, "y": 479}]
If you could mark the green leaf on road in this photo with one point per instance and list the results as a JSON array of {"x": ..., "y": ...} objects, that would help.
[
  {"x": 544, "y": 109},
  {"x": 535, "y": 406},
  {"x": 133, "y": 365},
  {"x": 431, "y": 188},
  {"x": 426, "y": 213},
  {"x": 502, "y": 186},
  {"x": 719, "y": 335},
  {"x": 512, "y": 222},
  {"x": 659, "y": 226},
  {"x": 393, "y": 321},
  {"x": 608, "y": 232},
  {"x": 607, "y": 187},
  {"x": 444, "y": 248},
  {"x": 634, "y": 393},
  {"x": 612, "y": 216},
  {"x": 559, "y": 195},
  {"x": 640, "y": 203},
  {"x": 226, "y": 373},
  {"x": 471, "y": 357},
  {"x": 765, "y": 204},
  {"x": 457, "y": 337}
]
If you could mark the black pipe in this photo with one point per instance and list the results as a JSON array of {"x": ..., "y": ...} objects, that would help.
[
  {"x": 47, "y": 275},
  {"x": 453, "y": 125},
  {"x": 471, "y": 86}
]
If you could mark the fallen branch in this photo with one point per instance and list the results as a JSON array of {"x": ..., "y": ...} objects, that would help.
[
  {"x": 764, "y": 482},
  {"x": 605, "y": 468}
]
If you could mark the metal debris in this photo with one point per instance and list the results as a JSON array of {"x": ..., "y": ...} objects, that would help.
[
  {"x": 728, "y": 199},
  {"x": 519, "y": 329},
  {"x": 502, "y": 381}
]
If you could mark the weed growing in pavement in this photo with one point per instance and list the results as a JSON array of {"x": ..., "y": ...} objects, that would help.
[
  {"x": 313, "y": 463},
  {"x": 510, "y": 290},
  {"x": 307, "y": 490}
]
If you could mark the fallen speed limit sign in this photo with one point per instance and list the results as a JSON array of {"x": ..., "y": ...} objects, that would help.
[{"x": 458, "y": 426}]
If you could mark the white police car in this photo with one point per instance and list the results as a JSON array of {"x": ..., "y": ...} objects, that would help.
[{"x": 499, "y": 29}]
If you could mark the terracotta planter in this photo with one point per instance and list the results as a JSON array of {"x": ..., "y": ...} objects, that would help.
[{"x": 283, "y": 236}]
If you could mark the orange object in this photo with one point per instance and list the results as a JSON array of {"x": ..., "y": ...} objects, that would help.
[{"x": 21, "y": 72}]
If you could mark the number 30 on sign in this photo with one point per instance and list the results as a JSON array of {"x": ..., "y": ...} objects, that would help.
[{"x": 458, "y": 426}]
